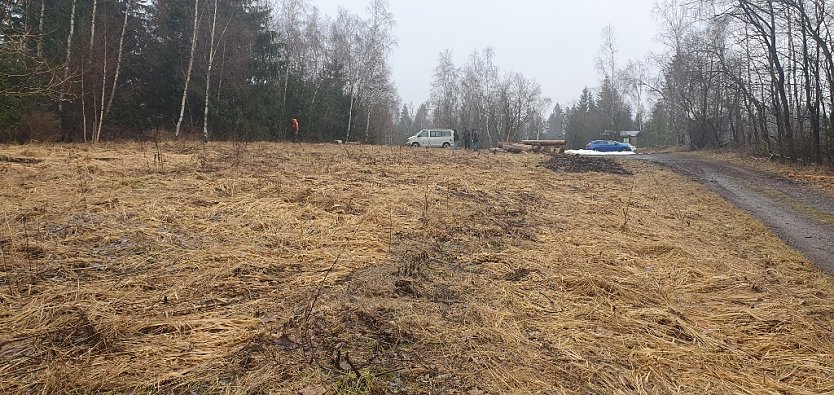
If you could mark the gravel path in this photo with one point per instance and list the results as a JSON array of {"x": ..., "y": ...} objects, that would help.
[{"x": 799, "y": 214}]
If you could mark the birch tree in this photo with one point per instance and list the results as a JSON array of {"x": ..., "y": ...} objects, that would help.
[
  {"x": 92, "y": 29},
  {"x": 190, "y": 67},
  {"x": 120, "y": 54},
  {"x": 211, "y": 51},
  {"x": 335, "y": 76},
  {"x": 445, "y": 92},
  {"x": 347, "y": 42},
  {"x": 68, "y": 54},
  {"x": 41, "y": 32}
]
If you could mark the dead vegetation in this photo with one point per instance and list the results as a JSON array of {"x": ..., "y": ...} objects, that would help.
[
  {"x": 562, "y": 163},
  {"x": 819, "y": 176},
  {"x": 348, "y": 270}
]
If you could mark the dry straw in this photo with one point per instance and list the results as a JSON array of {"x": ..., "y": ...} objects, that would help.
[{"x": 193, "y": 269}]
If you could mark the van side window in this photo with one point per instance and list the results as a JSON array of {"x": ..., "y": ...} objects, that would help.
[
  {"x": 435, "y": 133},
  {"x": 423, "y": 134},
  {"x": 446, "y": 134}
]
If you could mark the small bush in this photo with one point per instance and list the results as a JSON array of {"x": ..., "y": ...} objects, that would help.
[{"x": 39, "y": 125}]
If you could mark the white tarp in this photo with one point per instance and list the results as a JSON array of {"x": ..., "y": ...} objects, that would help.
[{"x": 585, "y": 152}]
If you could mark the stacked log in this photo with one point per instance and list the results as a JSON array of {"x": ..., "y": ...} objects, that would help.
[
  {"x": 545, "y": 143},
  {"x": 531, "y": 146},
  {"x": 515, "y": 148}
]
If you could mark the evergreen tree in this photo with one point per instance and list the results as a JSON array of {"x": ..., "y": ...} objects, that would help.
[
  {"x": 125, "y": 78},
  {"x": 557, "y": 122},
  {"x": 405, "y": 123}
]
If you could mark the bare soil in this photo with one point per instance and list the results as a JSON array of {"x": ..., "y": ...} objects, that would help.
[
  {"x": 799, "y": 213},
  {"x": 562, "y": 163}
]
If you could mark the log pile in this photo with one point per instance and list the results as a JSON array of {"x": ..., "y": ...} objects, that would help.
[
  {"x": 514, "y": 148},
  {"x": 545, "y": 143},
  {"x": 531, "y": 146}
]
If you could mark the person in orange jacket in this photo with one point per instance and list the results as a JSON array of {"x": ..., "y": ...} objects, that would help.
[{"x": 295, "y": 130}]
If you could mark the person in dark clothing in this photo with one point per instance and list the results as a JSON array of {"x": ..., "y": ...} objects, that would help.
[
  {"x": 457, "y": 138},
  {"x": 476, "y": 140},
  {"x": 467, "y": 139}
]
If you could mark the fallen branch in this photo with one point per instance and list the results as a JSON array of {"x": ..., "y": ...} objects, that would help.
[{"x": 12, "y": 159}]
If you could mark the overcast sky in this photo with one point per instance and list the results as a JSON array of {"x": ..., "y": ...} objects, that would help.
[{"x": 552, "y": 41}]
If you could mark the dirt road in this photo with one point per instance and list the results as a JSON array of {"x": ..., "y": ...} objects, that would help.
[{"x": 799, "y": 214}]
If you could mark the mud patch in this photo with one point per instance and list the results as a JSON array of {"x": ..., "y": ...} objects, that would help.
[{"x": 561, "y": 163}]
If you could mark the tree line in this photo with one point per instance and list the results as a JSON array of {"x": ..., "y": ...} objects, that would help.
[
  {"x": 604, "y": 113},
  {"x": 755, "y": 74},
  {"x": 86, "y": 70},
  {"x": 503, "y": 106},
  {"x": 509, "y": 106},
  {"x": 752, "y": 75}
]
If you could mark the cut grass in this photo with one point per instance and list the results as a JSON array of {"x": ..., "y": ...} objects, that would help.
[
  {"x": 432, "y": 272},
  {"x": 821, "y": 177}
]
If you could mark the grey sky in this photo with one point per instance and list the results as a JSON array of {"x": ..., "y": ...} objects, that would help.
[{"x": 555, "y": 42}]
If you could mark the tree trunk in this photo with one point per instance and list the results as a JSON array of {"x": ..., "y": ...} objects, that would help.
[
  {"x": 208, "y": 74},
  {"x": 26, "y": 16},
  {"x": 316, "y": 92},
  {"x": 489, "y": 134},
  {"x": 785, "y": 109},
  {"x": 284, "y": 96},
  {"x": 350, "y": 117},
  {"x": 103, "y": 91},
  {"x": 823, "y": 44},
  {"x": 94, "y": 120},
  {"x": 118, "y": 61},
  {"x": 92, "y": 32},
  {"x": 69, "y": 54},
  {"x": 368, "y": 125},
  {"x": 797, "y": 98},
  {"x": 84, "y": 112},
  {"x": 813, "y": 110},
  {"x": 776, "y": 69},
  {"x": 40, "y": 29},
  {"x": 190, "y": 68},
  {"x": 93, "y": 127},
  {"x": 220, "y": 72}
]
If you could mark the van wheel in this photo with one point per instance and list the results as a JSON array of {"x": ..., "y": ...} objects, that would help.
[
  {"x": 446, "y": 145},
  {"x": 415, "y": 144}
]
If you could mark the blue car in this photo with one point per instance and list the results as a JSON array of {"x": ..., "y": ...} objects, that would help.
[{"x": 609, "y": 146}]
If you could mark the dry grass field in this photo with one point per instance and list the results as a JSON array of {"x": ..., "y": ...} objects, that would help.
[
  {"x": 319, "y": 269},
  {"x": 821, "y": 177}
]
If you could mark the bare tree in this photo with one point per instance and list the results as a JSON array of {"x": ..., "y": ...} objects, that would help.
[
  {"x": 212, "y": 50},
  {"x": 445, "y": 91},
  {"x": 635, "y": 80},
  {"x": 41, "y": 32},
  {"x": 117, "y": 74},
  {"x": 290, "y": 33},
  {"x": 92, "y": 30},
  {"x": 609, "y": 73},
  {"x": 190, "y": 67},
  {"x": 68, "y": 54},
  {"x": 100, "y": 116}
]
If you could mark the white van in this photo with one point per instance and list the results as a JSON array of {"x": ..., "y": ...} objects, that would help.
[{"x": 444, "y": 138}]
